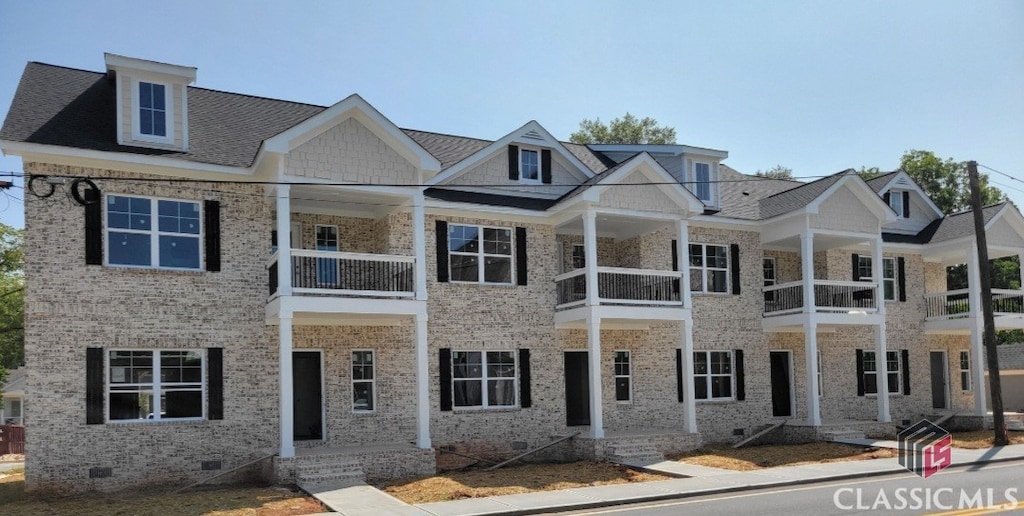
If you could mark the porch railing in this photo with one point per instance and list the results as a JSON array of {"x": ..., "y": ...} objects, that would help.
[
  {"x": 829, "y": 296},
  {"x": 618, "y": 285},
  {"x": 347, "y": 274},
  {"x": 956, "y": 304}
]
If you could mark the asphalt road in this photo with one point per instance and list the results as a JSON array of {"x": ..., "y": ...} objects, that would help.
[{"x": 903, "y": 493}]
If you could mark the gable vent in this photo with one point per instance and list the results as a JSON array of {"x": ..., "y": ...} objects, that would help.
[
  {"x": 901, "y": 182},
  {"x": 533, "y": 135}
]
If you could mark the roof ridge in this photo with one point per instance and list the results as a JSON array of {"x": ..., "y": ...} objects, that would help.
[
  {"x": 802, "y": 184},
  {"x": 969, "y": 210},
  {"x": 448, "y": 134},
  {"x": 66, "y": 67},
  {"x": 262, "y": 97}
]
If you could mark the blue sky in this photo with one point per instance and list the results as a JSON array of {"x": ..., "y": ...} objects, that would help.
[{"x": 814, "y": 86}]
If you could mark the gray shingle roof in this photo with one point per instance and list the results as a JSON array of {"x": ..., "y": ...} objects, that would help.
[
  {"x": 796, "y": 198},
  {"x": 447, "y": 148},
  {"x": 957, "y": 225},
  {"x": 739, "y": 194},
  {"x": 879, "y": 182},
  {"x": 1011, "y": 356}
]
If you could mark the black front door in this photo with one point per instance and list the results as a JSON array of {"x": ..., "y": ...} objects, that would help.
[
  {"x": 938, "y": 369},
  {"x": 782, "y": 405},
  {"x": 307, "y": 396},
  {"x": 577, "y": 389}
]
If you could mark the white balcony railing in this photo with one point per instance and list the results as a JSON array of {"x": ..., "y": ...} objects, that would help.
[
  {"x": 347, "y": 274},
  {"x": 829, "y": 297},
  {"x": 956, "y": 304},
  {"x": 621, "y": 286}
]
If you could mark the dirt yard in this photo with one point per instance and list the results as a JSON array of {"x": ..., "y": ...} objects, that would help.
[
  {"x": 981, "y": 439},
  {"x": 525, "y": 478},
  {"x": 770, "y": 456},
  {"x": 235, "y": 501}
]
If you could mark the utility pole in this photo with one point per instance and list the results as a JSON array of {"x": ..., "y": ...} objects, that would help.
[{"x": 984, "y": 272}]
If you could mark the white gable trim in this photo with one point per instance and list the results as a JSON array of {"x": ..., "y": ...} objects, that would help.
[
  {"x": 648, "y": 166},
  {"x": 1012, "y": 216},
  {"x": 531, "y": 134},
  {"x": 912, "y": 186},
  {"x": 859, "y": 189},
  {"x": 354, "y": 107}
]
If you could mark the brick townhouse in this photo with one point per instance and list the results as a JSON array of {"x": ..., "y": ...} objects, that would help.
[{"x": 233, "y": 277}]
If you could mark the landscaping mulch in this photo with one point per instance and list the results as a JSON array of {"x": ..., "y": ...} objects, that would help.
[
  {"x": 774, "y": 455},
  {"x": 227, "y": 501},
  {"x": 980, "y": 439},
  {"x": 515, "y": 479}
]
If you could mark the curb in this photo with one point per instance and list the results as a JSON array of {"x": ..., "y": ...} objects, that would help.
[{"x": 714, "y": 491}]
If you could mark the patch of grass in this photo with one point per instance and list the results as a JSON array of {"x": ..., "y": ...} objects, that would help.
[
  {"x": 524, "y": 478},
  {"x": 228, "y": 501},
  {"x": 774, "y": 455},
  {"x": 979, "y": 439}
]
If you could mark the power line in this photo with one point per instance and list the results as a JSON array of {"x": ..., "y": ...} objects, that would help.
[{"x": 1000, "y": 173}]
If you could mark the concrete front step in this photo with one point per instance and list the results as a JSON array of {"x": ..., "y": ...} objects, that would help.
[
  {"x": 832, "y": 435},
  {"x": 634, "y": 451},
  {"x": 345, "y": 478}
]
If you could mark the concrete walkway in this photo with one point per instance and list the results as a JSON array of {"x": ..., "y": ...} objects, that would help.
[
  {"x": 704, "y": 481},
  {"x": 8, "y": 466}
]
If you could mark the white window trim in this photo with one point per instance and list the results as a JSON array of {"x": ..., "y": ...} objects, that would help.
[
  {"x": 540, "y": 167},
  {"x": 628, "y": 377},
  {"x": 894, "y": 279},
  {"x": 154, "y": 234},
  {"x": 709, "y": 375},
  {"x": 704, "y": 269},
  {"x": 896, "y": 194},
  {"x": 769, "y": 282},
  {"x": 481, "y": 255},
  {"x": 136, "y": 114},
  {"x": 6, "y": 413},
  {"x": 484, "y": 400},
  {"x": 582, "y": 256},
  {"x": 372, "y": 382},
  {"x": 898, "y": 372},
  {"x": 712, "y": 185},
  {"x": 960, "y": 367},
  {"x": 157, "y": 408}
]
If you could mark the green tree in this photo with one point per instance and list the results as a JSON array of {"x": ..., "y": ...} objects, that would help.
[
  {"x": 12, "y": 299},
  {"x": 628, "y": 130},
  {"x": 945, "y": 181},
  {"x": 776, "y": 172}
]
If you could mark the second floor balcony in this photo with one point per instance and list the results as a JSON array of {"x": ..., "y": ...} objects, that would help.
[
  {"x": 952, "y": 311},
  {"x": 832, "y": 297},
  {"x": 619, "y": 286},
  {"x": 334, "y": 273}
]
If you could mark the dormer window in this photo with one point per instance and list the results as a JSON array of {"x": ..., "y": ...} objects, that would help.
[
  {"x": 702, "y": 181},
  {"x": 896, "y": 203},
  {"x": 899, "y": 201},
  {"x": 152, "y": 109},
  {"x": 529, "y": 165}
]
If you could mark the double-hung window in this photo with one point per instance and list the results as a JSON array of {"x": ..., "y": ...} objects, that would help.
[
  {"x": 135, "y": 239},
  {"x": 702, "y": 181},
  {"x": 896, "y": 202},
  {"x": 712, "y": 375},
  {"x": 480, "y": 254},
  {"x": 768, "y": 265},
  {"x": 155, "y": 385},
  {"x": 363, "y": 381},
  {"x": 152, "y": 109},
  {"x": 889, "y": 282},
  {"x": 623, "y": 377},
  {"x": 484, "y": 379},
  {"x": 579, "y": 256},
  {"x": 965, "y": 371},
  {"x": 529, "y": 165},
  {"x": 327, "y": 268},
  {"x": 709, "y": 268},
  {"x": 870, "y": 367}
]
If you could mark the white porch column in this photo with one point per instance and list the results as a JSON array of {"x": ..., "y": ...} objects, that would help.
[
  {"x": 594, "y": 364},
  {"x": 422, "y": 385},
  {"x": 977, "y": 332},
  {"x": 419, "y": 244},
  {"x": 590, "y": 250},
  {"x": 881, "y": 361},
  {"x": 683, "y": 258},
  {"x": 811, "y": 355},
  {"x": 807, "y": 269},
  {"x": 286, "y": 408},
  {"x": 284, "y": 245}
]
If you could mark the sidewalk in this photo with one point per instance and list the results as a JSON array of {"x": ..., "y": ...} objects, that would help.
[{"x": 706, "y": 481}]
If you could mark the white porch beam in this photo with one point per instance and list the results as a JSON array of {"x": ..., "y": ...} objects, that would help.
[
  {"x": 590, "y": 251},
  {"x": 419, "y": 241},
  {"x": 286, "y": 406},
  {"x": 807, "y": 269},
  {"x": 881, "y": 359},
  {"x": 422, "y": 385},
  {"x": 284, "y": 240},
  {"x": 811, "y": 356},
  {"x": 683, "y": 258},
  {"x": 977, "y": 332},
  {"x": 594, "y": 364}
]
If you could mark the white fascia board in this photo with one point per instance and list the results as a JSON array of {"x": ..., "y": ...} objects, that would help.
[
  {"x": 471, "y": 211},
  {"x": 116, "y": 160},
  {"x": 718, "y": 221},
  {"x": 503, "y": 192},
  {"x": 915, "y": 188},
  {"x": 118, "y": 62},
  {"x": 512, "y": 137},
  {"x": 354, "y": 106},
  {"x": 902, "y": 247},
  {"x": 863, "y": 192},
  {"x": 659, "y": 149}
]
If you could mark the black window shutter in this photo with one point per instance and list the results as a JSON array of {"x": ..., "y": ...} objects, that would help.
[
  {"x": 94, "y": 386},
  {"x": 885, "y": 197},
  {"x": 675, "y": 255},
  {"x": 513, "y": 162},
  {"x": 273, "y": 238},
  {"x": 545, "y": 165},
  {"x": 905, "y": 365},
  {"x": 741, "y": 387},
  {"x": 525, "y": 399},
  {"x": 442, "y": 251},
  {"x": 521, "y": 256},
  {"x": 215, "y": 382},
  {"x": 856, "y": 267},
  {"x": 901, "y": 269},
  {"x": 93, "y": 229},
  {"x": 211, "y": 211},
  {"x": 860, "y": 372},
  {"x": 906, "y": 204},
  {"x": 679, "y": 374},
  {"x": 445, "y": 364},
  {"x": 734, "y": 255}
]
